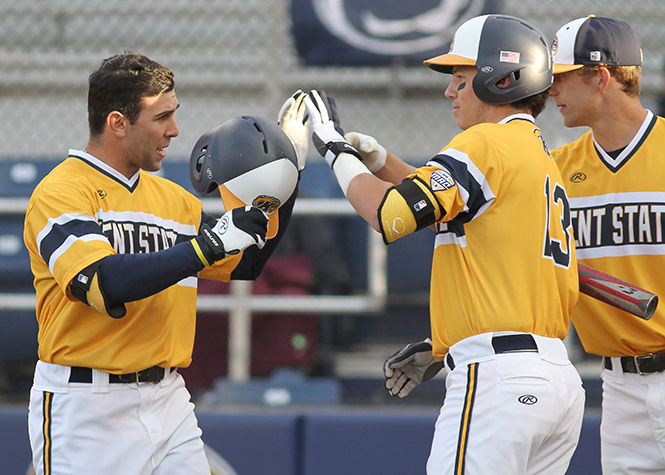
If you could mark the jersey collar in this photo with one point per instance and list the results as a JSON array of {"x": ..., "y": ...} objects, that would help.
[
  {"x": 519, "y": 116},
  {"x": 102, "y": 167},
  {"x": 614, "y": 164}
]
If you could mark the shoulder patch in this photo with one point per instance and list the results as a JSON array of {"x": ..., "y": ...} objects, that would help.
[{"x": 441, "y": 180}]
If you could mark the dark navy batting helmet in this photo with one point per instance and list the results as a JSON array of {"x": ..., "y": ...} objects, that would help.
[
  {"x": 500, "y": 46},
  {"x": 248, "y": 156}
]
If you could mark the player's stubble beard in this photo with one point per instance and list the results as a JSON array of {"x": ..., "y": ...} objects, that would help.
[{"x": 142, "y": 153}]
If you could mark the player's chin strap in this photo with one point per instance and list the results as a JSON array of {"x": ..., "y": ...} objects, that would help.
[{"x": 86, "y": 288}]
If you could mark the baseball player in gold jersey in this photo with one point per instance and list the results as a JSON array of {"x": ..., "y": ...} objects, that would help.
[
  {"x": 614, "y": 176},
  {"x": 115, "y": 252},
  {"x": 504, "y": 272}
]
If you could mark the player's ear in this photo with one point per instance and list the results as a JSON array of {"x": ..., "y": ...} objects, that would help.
[
  {"x": 604, "y": 77},
  {"x": 504, "y": 82},
  {"x": 117, "y": 123}
]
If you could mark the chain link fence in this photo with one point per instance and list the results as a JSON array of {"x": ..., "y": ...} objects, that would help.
[{"x": 234, "y": 57}]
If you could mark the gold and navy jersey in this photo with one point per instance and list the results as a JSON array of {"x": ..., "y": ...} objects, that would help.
[
  {"x": 503, "y": 258},
  {"x": 618, "y": 214},
  {"x": 83, "y": 211}
]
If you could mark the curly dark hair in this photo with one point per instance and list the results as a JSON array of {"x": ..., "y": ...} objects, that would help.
[
  {"x": 535, "y": 104},
  {"x": 120, "y": 83}
]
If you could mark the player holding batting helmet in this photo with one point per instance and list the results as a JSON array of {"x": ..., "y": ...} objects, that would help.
[
  {"x": 251, "y": 160},
  {"x": 502, "y": 291},
  {"x": 116, "y": 274}
]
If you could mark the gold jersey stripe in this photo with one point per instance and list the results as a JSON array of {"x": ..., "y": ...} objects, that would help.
[{"x": 46, "y": 431}]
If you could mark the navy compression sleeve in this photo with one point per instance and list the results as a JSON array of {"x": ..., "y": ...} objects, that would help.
[{"x": 129, "y": 277}]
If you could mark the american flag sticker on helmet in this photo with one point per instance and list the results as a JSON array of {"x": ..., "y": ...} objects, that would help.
[
  {"x": 509, "y": 57},
  {"x": 441, "y": 180}
]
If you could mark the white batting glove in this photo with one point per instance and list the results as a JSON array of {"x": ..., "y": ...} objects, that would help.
[
  {"x": 327, "y": 135},
  {"x": 410, "y": 366},
  {"x": 294, "y": 121},
  {"x": 372, "y": 152},
  {"x": 235, "y": 231}
]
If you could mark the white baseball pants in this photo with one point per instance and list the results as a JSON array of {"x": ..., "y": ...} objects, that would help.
[
  {"x": 111, "y": 428},
  {"x": 511, "y": 413},
  {"x": 632, "y": 428}
]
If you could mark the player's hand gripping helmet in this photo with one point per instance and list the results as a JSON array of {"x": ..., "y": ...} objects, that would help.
[
  {"x": 251, "y": 160},
  {"x": 499, "y": 46}
]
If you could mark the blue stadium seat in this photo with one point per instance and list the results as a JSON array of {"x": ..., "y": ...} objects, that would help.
[
  {"x": 19, "y": 177},
  {"x": 18, "y": 337},
  {"x": 15, "y": 274}
]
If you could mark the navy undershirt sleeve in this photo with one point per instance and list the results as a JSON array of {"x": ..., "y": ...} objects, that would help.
[{"x": 128, "y": 277}]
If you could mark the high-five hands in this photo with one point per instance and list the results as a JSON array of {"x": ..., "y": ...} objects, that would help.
[
  {"x": 294, "y": 121},
  {"x": 327, "y": 134}
]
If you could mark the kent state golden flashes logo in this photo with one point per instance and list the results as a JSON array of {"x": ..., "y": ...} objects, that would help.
[
  {"x": 577, "y": 177},
  {"x": 267, "y": 204}
]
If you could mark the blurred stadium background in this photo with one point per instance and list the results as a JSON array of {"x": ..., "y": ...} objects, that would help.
[{"x": 236, "y": 57}]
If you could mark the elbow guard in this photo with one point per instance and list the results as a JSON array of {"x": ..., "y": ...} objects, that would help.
[
  {"x": 86, "y": 288},
  {"x": 406, "y": 208}
]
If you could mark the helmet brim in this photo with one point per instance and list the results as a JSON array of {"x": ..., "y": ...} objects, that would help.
[{"x": 445, "y": 63}]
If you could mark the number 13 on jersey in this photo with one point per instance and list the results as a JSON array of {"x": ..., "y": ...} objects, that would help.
[{"x": 556, "y": 242}]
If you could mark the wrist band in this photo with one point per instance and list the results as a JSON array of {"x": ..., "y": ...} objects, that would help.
[{"x": 346, "y": 168}]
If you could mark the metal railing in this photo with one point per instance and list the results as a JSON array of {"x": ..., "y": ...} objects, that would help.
[{"x": 240, "y": 303}]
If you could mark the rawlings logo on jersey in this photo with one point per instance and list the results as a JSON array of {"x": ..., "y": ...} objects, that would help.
[
  {"x": 267, "y": 204},
  {"x": 441, "y": 180},
  {"x": 577, "y": 177}
]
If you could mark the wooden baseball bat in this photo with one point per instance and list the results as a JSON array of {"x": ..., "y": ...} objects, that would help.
[{"x": 616, "y": 292}]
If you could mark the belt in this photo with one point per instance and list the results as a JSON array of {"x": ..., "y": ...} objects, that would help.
[
  {"x": 150, "y": 375},
  {"x": 506, "y": 344},
  {"x": 641, "y": 364}
]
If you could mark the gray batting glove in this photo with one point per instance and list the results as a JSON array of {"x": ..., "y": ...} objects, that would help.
[
  {"x": 372, "y": 152},
  {"x": 327, "y": 135},
  {"x": 235, "y": 231},
  {"x": 410, "y": 366},
  {"x": 294, "y": 121}
]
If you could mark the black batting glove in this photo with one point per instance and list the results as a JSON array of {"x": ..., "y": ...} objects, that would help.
[
  {"x": 235, "y": 231},
  {"x": 327, "y": 133}
]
